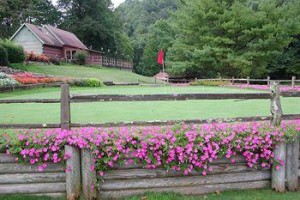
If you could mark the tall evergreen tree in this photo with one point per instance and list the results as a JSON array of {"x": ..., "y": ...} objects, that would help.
[{"x": 231, "y": 38}]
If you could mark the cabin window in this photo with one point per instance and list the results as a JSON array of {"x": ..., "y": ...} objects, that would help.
[{"x": 70, "y": 55}]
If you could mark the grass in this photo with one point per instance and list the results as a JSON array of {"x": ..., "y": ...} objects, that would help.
[
  {"x": 264, "y": 194},
  {"x": 136, "y": 111},
  {"x": 102, "y": 73}
]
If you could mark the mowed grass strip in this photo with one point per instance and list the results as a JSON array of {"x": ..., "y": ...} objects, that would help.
[
  {"x": 263, "y": 194},
  {"x": 98, "y": 112}
]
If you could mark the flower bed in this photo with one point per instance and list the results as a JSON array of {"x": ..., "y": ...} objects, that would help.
[
  {"x": 6, "y": 80},
  {"x": 283, "y": 88},
  {"x": 31, "y": 78},
  {"x": 180, "y": 148}
]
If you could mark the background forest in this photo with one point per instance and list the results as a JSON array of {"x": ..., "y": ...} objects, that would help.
[{"x": 201, "y": 38}]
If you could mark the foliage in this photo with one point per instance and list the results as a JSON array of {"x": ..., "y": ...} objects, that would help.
[
  {"x": 31, "y": 56},
  {"x": 160, "y": 36},
  {"x": 137, "y": 18},
  {"x": 55, "y": 61},
  {"x": 15, "y": 52},
  {"x": 3, "y": 56},
  {"x": 97, "y": 25},
  {"x": 86, "y": 82},
  {"x": 209, "y": 83},
  {"x": 80, "y": 57},
  {"x": 233, "y": 38},
  {"x": 13, "y": 13},
  {"x": 178, "y": 148},
  {"x": 287, "y": 63}
]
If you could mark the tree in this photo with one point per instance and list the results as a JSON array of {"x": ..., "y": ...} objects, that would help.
[
  {"x": 13, "y": 13},
  {"x": 160, "y": 36},
  {"x": 231, "y": 38}
]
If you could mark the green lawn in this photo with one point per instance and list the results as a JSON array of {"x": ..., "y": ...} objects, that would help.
[
  {"x": 136, "y": 111},
  {"x": 263, "y": 194},
  {"x": 228, "y": 195},
  {"x": 102, "y": 73}
]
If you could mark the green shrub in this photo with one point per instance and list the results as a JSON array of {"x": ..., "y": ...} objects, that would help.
[
  {"x": 86, "y": 82},
  {"x": 3, "y": 56},
  {"x": 209, "y": 83},
  {"x": 15, "y": 52},
  {"x": 55, "y": 61},
  {"x": 80, "y": 57}
]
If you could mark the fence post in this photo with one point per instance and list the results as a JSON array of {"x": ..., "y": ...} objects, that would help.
[
  {"x": 292, "y": 164},
  {"x": 278, "y": 176},
  {"x": 293, "y": 81},
  {"x": 268, "y": 80},
  {"x": 232, "y": 80},
  {"x": 89, "y": 178},
  {"x": 73, "y": 178},
  {"x": 248, "y": 80},
  {"x": 65, "y": 111}
]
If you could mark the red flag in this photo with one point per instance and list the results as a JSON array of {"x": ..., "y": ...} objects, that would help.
[{"x": 160, "y": 57}]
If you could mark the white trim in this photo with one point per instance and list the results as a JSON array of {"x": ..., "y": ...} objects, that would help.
[{"x": 45, "y": 26}]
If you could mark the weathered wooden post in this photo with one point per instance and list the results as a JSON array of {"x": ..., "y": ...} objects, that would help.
[
  {"x": 293, "y": 81},
  {"x": 248, "y": 80},
  {"x": 278, "y": 176},
  {"x": 89, "y": 178},
  {"x": 268, "y": 80},
  {"x": 232, "y": 80},
  {"x": 292, "y": 164},
  {"x": 65, "y": 109},
  {"x": 73, "y": 178}
]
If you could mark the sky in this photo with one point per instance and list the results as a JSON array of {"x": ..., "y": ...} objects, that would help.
[{"x": 115, "y": 2}]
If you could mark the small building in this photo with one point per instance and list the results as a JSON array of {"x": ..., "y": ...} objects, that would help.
[{"x": 53, "y": 43}]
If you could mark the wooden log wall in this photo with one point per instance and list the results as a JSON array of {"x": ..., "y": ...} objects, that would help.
[
  {"x": 133, "y": 180},
  {"x": 19, "y": 178}
]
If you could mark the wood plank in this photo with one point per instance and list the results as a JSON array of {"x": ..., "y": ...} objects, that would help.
[
  {"x": 33, "y": 188},
  {"x": 54, "y": 195},
  {"x": 4, "y": 158},
  {"x": 184, "y": 181},
  {"x": 89, "y": 178},
  {"x": 8, "y": 101},
  {"x": 73, "y": 175},
  {"x": 160, "y": 173},
  {"x": 193, "y": 121},
  {"x": 292, "y": 165},
  {"x": 28, "y": 126},
  {"x": 168, "y": 97},
  {"x": 32, "y": 178},
  {"x": 190, "y": 190},
  {"x": 10, "y": 168}
]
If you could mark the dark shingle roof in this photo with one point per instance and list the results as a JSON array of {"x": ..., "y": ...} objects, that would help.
[{"x": 55, "y": 36}]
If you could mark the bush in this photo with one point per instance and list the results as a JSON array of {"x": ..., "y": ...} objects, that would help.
[
  {"x": 80, "y": 57},
  {"x": 3, "y": 75},
  {"x": 209, "y": 83},
  {"x": 3, "y": 56},
  {"x": 86, "y": 82},
  {"x": 6, "y": 82},
  {"x": 15, "y": 52},
  {"x": 55, "y": 61}
]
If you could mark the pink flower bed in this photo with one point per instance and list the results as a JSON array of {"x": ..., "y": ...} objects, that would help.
[
  {"x": 181, "y": 147},
  {"x": 283, "y": 88}
]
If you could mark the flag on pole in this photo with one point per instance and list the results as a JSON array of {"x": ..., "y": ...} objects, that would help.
[{"x": 160, "y": 57}]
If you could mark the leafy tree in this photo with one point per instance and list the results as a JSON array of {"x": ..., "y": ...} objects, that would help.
[
  {"x": 13, "y": 13},
  {"x": 231, "y": 37},
  {"x": 160, "y": 36},
  {"x": 137, "y": 17}
]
